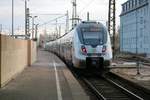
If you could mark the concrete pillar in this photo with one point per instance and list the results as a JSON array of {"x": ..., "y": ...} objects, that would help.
[
  {"x": 29, "y": 52},
  {"x": 32, "y": 52}
]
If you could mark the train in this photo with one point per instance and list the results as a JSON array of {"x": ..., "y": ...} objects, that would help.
[{"x": 86, "y": 46}]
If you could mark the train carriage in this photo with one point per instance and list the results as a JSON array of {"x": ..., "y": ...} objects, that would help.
[{"x": 87, "y": 45}]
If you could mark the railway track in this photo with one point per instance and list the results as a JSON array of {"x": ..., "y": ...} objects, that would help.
[
  {"x": 107, "y": 89},
  {"x": 131, "y": 86}
]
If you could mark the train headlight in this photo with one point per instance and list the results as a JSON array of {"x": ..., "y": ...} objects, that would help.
[
  {"x": 83, "y": 49},
  {"x": 104, "y": 49}
]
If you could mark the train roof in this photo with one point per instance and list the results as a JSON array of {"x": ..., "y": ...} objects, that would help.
[
  {"x": 88, "y": 23},
  {"x": 83, "y": 24}
]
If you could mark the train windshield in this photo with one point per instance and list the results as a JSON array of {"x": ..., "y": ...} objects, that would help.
[{"x": 93, "y": 35}]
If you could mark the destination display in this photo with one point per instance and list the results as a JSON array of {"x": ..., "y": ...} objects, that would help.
[{"x": 91, "y": 29}]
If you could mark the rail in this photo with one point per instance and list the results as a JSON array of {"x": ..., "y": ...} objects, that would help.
[{"x": 106, "y": 89}]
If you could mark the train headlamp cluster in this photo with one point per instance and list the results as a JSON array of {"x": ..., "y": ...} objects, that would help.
[
  {"x": 83, "y": 49},
  {"x": 104, "y": 49}
]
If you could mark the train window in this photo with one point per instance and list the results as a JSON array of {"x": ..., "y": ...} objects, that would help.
[{"x": 93, "y": 36}]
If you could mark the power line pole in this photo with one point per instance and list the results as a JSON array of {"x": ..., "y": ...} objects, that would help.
[
  {"x": 12, "y": 32},
  {"x": 28, "y": 23},
  {"x": 112, "y": 22},
  {"x": 60, "y": 31},
  {"x": 1, "y": 27},
  {"x": 74, "y": 14},
  {"x": 25, "y": 17},
  {"x": 36, "y": 31},
  {"x": 32, "y": 27},
  {"x": 67, "y": 22},
  {"x": 56, "y": 29},
  {"x": 33, "y": 17},
  {"x": 88, "y": 16}
]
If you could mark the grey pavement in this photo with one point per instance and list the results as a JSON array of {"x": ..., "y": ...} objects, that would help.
[{"x": 38, "y": 82}]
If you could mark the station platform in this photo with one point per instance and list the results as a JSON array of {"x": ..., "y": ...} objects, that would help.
[
  {"x": 128, "y": 71},
  {"x": 47, "y": 79}
]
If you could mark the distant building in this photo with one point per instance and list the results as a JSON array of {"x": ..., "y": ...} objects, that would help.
[{"x": 135, "y": 26}]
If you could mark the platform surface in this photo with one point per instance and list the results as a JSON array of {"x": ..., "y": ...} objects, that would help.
[
  {"x": 47, "y": 79},
  {"x": 128, "y": 71}
]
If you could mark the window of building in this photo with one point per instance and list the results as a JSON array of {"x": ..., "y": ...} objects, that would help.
[
  {"x": 140, "y": 1},
  {"x": 136, "y": 3},
  {"x": 129, "y": 5},
  {"x": 144, "y": 10},
  {"x": 133, "y": 3},
  {"x": 141, "y": 20},
  {"x": 145, "y": 23},
  {"x": 141, "y": 32},
  {"x": 124, "y": 7},
  {"x": 140, "y": 45}
]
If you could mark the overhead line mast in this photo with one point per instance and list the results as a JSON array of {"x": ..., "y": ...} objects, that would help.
[
  {"x": 67, "y": 22},
  {"x": 74, "y": 13},
  {"x": 112, "y": 22}
]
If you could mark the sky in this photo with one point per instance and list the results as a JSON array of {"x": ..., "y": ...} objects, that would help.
[{"x": 98, "y": 10}]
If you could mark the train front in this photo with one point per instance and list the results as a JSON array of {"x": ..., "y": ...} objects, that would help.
[{"x": 92, "y": 46}]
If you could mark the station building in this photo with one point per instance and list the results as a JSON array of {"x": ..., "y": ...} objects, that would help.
[{"x": 135, "y": 27}]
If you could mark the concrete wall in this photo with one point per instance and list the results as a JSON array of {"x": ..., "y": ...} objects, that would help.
[{"x": 15, "y": 55}]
